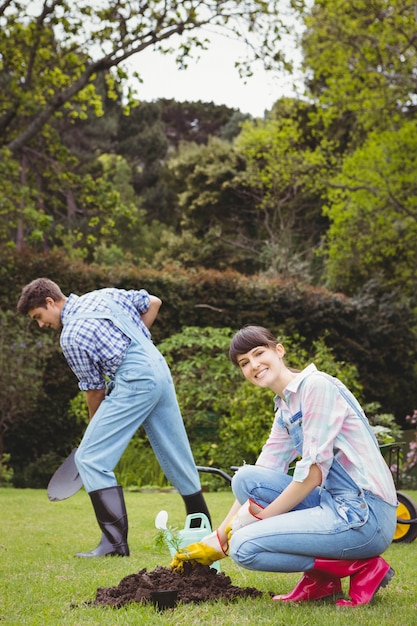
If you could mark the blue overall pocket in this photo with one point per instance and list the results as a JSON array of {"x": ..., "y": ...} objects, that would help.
[{"x": 353, "y": 509}]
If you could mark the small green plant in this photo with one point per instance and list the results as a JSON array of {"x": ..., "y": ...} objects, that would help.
[{"x": 168, "y": 537}]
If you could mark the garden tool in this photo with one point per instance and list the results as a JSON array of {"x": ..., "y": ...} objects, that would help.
[{"x": 66, "y": 481}]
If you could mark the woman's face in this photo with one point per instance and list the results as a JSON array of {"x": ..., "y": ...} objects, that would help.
[{"x": 263, "y": 365}]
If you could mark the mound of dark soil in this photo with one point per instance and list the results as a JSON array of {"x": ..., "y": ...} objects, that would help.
[{"x": 197, "y": 583}]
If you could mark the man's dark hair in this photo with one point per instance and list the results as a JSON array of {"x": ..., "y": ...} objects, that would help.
[{"x": 35, "y": 293}]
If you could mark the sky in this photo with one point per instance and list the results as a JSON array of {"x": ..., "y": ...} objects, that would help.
[{"x": 211, "y": 78}]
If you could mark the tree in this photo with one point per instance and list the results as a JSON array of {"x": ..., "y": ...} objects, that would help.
[
  {"x": 55, "y": 58},
  {"x": 372, "y": 209},
  {"x": 280, "y": 177},
  {"x": 132, "y": 236},
  {"x": 361, "y": 60},
  {"x": 52, "y": 51},
  {"x": 194, "y": 122},
  {"x": 216, "y": 213},
  {"x": 142, "y": 140}
]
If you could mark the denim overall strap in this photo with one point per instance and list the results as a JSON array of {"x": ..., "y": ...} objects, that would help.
[
  {"x": 141, "y": 393},
  {"x": 294, "y": 425},
  {"x": 119, "y": 318},
  {"x": 354, "y": 404}
]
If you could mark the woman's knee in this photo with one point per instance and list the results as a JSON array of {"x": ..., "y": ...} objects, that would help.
[
  {"x": 259, "y": 483},
  {"x": 242, "y": 556},
  {"x": 242, "y": 482}
]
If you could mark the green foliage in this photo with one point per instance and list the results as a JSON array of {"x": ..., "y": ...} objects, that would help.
[
  {"x": 204, "y": 378},
  {"x": 138, "y": 467},
  {"x": 215, "y": 211},
  {"x": 22, "y": 359},
  {"x": 61, "y": 69},
  {"x": 6, "y": 473},
  {"x": 197, "y": 122},
  {"x": 279, "y": 176},
  {"x": 169, "y": 538},
  {"x": 78, "y": 409},
  {"x": 36, "y": 474},
  {"x": 228, "y": 419},
  {"x": 372, "y": 210},
  {"x": 361, "y": 59},
  {"x": 385, "y": 428}
]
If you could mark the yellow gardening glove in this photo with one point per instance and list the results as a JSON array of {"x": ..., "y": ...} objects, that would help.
[{"x": 206, "y": 552}]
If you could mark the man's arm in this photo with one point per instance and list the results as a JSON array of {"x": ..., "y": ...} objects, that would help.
[
  {"x": 94, "y": 398},
  {"x": 149, "y": 317}
]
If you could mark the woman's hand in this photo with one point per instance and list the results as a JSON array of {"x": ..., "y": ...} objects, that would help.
[{"x": 206, "y": 552}]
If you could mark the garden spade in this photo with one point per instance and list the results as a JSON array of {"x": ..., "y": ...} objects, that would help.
[{"x": 66, "y": 481}]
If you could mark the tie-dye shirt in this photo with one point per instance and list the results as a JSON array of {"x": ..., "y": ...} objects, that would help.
[{"x": 331, "y": 428}]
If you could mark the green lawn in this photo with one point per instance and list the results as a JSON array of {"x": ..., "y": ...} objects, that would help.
[{"x": 41, "y": 583}]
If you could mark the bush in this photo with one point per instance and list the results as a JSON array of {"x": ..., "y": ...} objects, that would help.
[{"x": 373, "y": 333}]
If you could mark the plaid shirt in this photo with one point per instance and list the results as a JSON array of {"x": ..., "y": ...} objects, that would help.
[
  {"x": 94, "y": 348},
  {"x": 331, "y": 429}
]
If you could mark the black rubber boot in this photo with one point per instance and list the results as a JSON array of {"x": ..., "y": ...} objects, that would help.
[
  {"x": 195, "y": 503},
  {"x": 109, "y": 507}
]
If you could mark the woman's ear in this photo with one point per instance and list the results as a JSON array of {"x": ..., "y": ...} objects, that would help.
[{"x": 280, "y": 350}]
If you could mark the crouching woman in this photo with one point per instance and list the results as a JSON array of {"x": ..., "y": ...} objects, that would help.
[{"x": 336, "y": 514}]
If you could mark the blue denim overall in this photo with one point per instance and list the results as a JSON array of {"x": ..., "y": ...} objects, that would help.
[
  {"x": 141, "y": 393},
  {"x": 339, "y": 521}
]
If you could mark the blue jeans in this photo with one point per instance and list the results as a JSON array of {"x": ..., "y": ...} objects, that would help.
[
  {"x": 330, "y": 525},
  {"x": 143, "y": 394}
]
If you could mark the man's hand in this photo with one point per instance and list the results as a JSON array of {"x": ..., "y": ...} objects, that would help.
[
  {"x": 94, "y": 397},
  {"x": 206, "y": 552}
]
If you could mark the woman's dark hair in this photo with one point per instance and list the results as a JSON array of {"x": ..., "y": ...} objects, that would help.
[{"x": 248, "y": 338}]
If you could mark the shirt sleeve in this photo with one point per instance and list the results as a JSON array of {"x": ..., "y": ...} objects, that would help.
[
  {"x": 84, "y": 367},
  {"x": 323, "y": 411},
  {"x": 278, "y": 451},
  {"x": 85, "y": 353},
  {"x": 141, "y": 301}
]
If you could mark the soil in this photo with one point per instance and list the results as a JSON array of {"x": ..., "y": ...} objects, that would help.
[{"x": 197, "y": 583}]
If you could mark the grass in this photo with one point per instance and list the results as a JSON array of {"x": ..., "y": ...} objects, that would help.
[{"x": 42, "y": 584}]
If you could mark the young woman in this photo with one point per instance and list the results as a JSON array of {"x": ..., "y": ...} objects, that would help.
[{"x": 336, "y": 514}]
